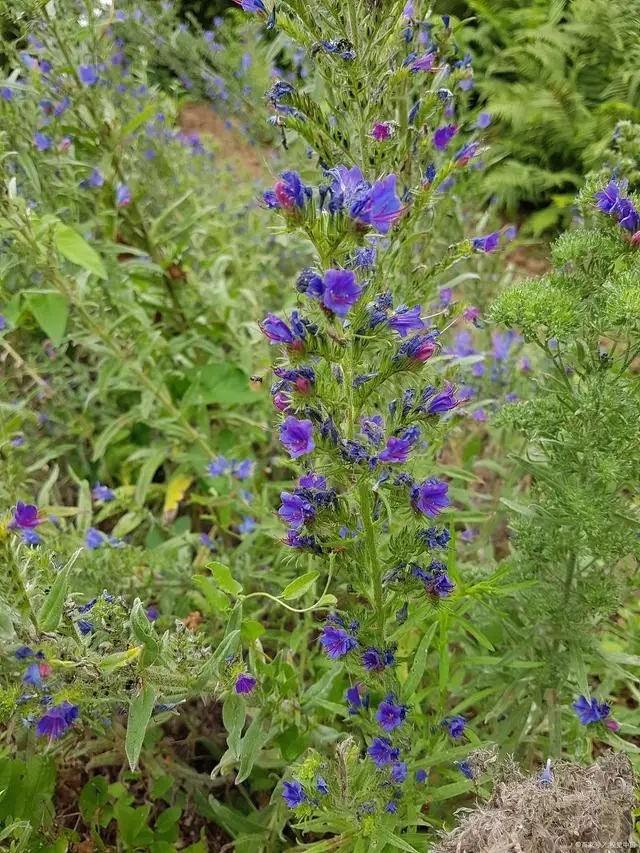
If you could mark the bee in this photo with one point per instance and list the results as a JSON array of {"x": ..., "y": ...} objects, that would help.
[{"x": 258, "y": 379}]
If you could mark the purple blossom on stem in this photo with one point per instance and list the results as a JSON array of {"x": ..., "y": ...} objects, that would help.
[
  {"x": 88, "y": 74},
  {"x": 297, "y": 436},
  {"x": 455, "y": 726},
  {"x": 590, "y": 710},
  {"x": 430, "y": 497},
  {"x": 424, "y": 63},
  {"x": 254, "y": 6},
  {"x": 488, "y": 243},
  {"x": 293, "y": 794},
  {"x": 398, "y": 448},
  {"x": 381, "y": 752},
  {"x": 55, "y": 722},
  {"x": 25, "y": 517},
  {"x": 443, "y": 136},
  {"x": 341, "y": 291},
  {"x": 337, "y": 642},
  {"x": 288, "y": 193},
  {"x": 405, "y": 320},
  {"x": 390, "y": 715},
  {"x": 244, "y": 683},
  {"x": 276, "y": 330},
  {"x": 123, "y": 195},
  {"x": 295, "y": 510},
  {"x": 382, "y": 206},
  {"x": 382, "y": 131}
]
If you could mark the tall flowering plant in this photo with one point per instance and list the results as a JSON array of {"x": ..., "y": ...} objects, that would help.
[{"x": 364, "y": 398}]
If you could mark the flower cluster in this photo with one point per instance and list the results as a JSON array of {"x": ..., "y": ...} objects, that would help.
[{"x": 611, "y": 201}]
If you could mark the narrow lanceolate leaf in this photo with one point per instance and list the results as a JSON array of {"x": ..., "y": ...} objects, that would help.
[
  {"x": 250, "y": 747},
  {"x": 140, "y": 709},
  {"x": 51, "y": 610}
]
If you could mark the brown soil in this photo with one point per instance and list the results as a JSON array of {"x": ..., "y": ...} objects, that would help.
[{"x": 200, "y": 118}]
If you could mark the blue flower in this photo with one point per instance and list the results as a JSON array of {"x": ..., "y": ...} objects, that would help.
[
  {"x": 288, "y": 193},
  {"x": 42, "y": 141},
  {"x": 546, "y": 776},
  {"x": 455, "y": 726},
  {"x": 483, "y": 121},
  {"x": 25, "y": 517},
  {"x": 102, "y": 493},
  {"x": 424, "y": 63},
  {"x": 242, "y": 470},
  {"x": 422, "y": 775},
  {"x": 382, "y": 206},
  {"x": 390, "y": 715},
  {"x": 247, "y": 525},
  {"x": 93, "y": 538},
  {"x": 244, "y": 683},
  {"x": 218, "y": 466},
  {"x": 321, "y": 785},
  {"x": 337, "y": 642},
  {"x": 357, "y": 698},
  {"x": 84, "y": 626},
  {"x": 123, "y": 195},
  {"x": 88, "y": 74},
  {"x": 430, "y": 497},
  {"x": 375, "y": 660},
  {"x": 276, "y": 330},
  {"x": 405, "y": 320},
  {"x": 391, "y": 807},
  {"x": 488, "y": 243},
  {"x": 399, "y": 772},
  {"x": 295, "y": 510},
  {"x": 590, "y": 710},
  {"x": 398, "y": 448},
  {"x": 256, "y": 6},
  {"x": 443, "y": 136},
  {"x": 341, "y": 291},
  {"x": 32, "y": 675},
  {"x": 310, "y": 283},
  {"x": 464, "y": 768},
  {"x": 297, "y": 436},
  {"x": 55, "y": 722},
  {"x": 381, "y": 752},
  {"x": 31, "y": 538},
  {"x": 23, "y": 652},
  {"x": 293, "y": 794},
  {"x": 608, "y": 198}
]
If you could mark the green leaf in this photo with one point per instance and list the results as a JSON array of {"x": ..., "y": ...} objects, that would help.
[
  {"x": 251, "y": 630},
  {"x": 233, "y": 716},
  {"x": 210, "y": 670},
  {"x": 51, "y": 312},
  {"x": 219, "y": 383},
  {"x": 250, "y": 747},
  {"x": 222, "y": 576},
  {"x": 419, "y": 662},
  {"x": 51, "y": 610},
  {"x": 217, "y": 601},
  {"x": 394, "y": 840},
  {"x": 76, "y": 249},
  {"x": 139, "y": 119},
  {"x": 143, "y": 631},
  {"x": 140, "y": 709},
  {"x": 149, "y": 468},
  {"x": 298, "y": 587}
]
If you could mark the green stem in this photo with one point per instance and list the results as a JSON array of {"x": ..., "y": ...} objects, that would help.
[{"x": 374, "y": 562}]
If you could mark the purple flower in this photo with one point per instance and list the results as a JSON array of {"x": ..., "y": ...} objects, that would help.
[
  {"x": 405, "y": 320},
  {"x": 337, "y": 642},
  {"x": 590, "y": 711},
  {"x": 382, "y": 206},
  {"x": 293, "y": 794},
  {"x": 256, "y": 6},
  {"x": 546, "y": 777},
  {"x": 608, "y": 198},
  {"x": 430, "y": 498},
  {"x": 31, "y": 538},
  {"x": 375, "y": 660},
  {"x": 276, "y": 330},
  {"x": 418, "y": 349},
  {"x": 93, "y": 538},
  {"x": 455, "y": 726},
  {"x": 152, "y": 613},
  {"x": 627, "y": 215},
  {"x": 357, "y": 697},
  {"x": 297, "y": 436},
  {"x": 102, "y": 493},
  {"x": 32, "y": 675},
  {"x": 25, "y": 517},
  {"x": 397, "y": 449},
  {"x": 390, "y": 715},
  {"x": 94, "y": 181},
  {"x": 422, "y": 775},
  {"x": 467, "y": 153},
  {"x": 23, "y": 652},
  {"x": 310, "y": 283},
  {"x": 218, "y": 467},
  {"x": 42, "y": 141},
  {"x": 295, "y": 510},
  {"x": 88, "y": 74},
  {"x": 399, "y": 772},
  {"x": 472, "y": 314},
  {"x": 84, "y": 626},
  {"x": 464, "y": 768},
  {"x": 287, "y": 193},
  {"x": 341, "y": 291},
  {"x": 381, "y": 752},
  {"x": 391, "y": 807},
  {"x": 424, "y": 63},
  {"x": 312, "y": 481},
  {"x": 57, "y": 720},
  {"x": 443, "y": 136},
  {"x": 321, "y": 785},
  {"x": 123, "y": 195},
  {"x": 247, "y": 525},
  {"x": 381, "y": 131},
  {"x": 443, "y": 401},
  {"x": 488, "y": 243},
  {"x": 245, "y": 683},
  {"x": 241, "y": 470},
  {"x": 483, "y": 121}
]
